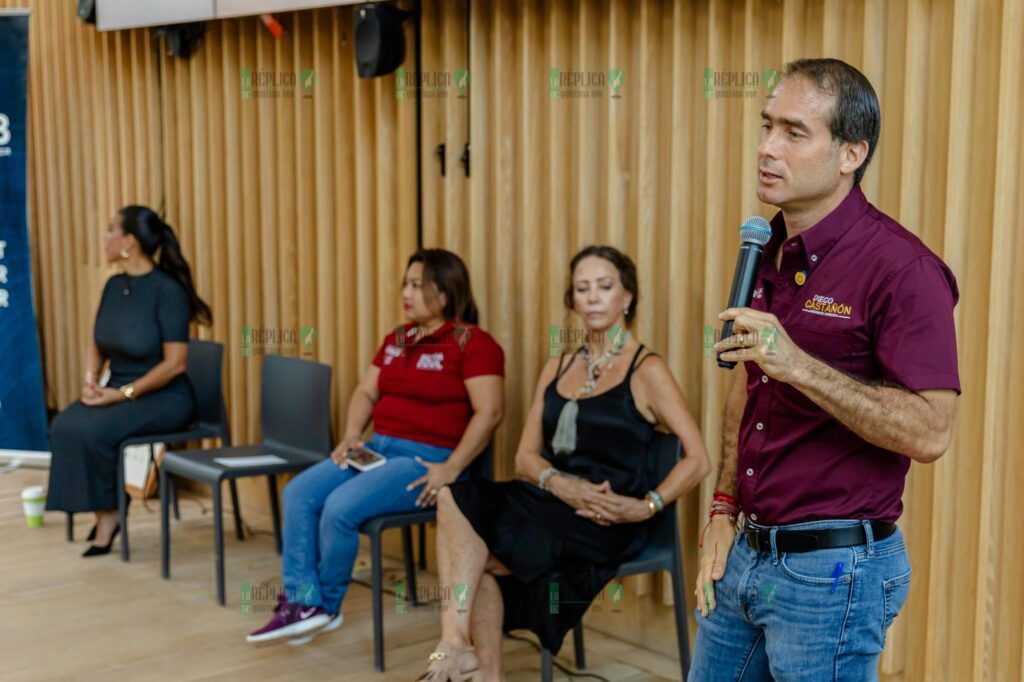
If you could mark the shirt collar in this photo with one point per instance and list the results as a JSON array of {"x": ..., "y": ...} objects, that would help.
[
  {"x": 437, "y": 334},
  {"x": 819, "y": 239}
]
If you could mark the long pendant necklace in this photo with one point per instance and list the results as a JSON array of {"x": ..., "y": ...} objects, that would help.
[{"x": 564, "y": 440}]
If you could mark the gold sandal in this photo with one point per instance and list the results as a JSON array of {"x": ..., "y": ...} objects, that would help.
[{"x": 444, "y": 665}]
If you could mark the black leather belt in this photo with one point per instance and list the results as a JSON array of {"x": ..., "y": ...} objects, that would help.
[{"x": 760, "y": 537}]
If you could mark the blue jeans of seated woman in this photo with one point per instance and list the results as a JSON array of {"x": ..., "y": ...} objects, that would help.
[
  {"x": 799, "y": 617},
  {"x": 324, "y": 507}
]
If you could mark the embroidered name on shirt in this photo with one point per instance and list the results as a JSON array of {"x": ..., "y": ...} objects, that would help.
[
  {"x": 430, "y": 361},
  {"x": 391, "y": 352},
  {"x": 826, "y": 305}
]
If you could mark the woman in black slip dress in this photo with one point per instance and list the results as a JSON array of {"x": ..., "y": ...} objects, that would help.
[
  {"x": 142, "y": 330},
  {"x": 533, "y": 553}
]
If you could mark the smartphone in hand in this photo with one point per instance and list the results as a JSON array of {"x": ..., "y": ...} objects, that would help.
[{"x": 365, "y": 459}]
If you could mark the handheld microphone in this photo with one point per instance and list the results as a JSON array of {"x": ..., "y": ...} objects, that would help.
[{"x": 754, "y": 234}]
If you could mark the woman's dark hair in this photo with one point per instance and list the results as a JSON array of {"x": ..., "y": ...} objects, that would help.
[
  {"x": 855, "y": 113},
  {"x": 449, "y": 275},
  {"x": 623, "y": 263},
  {"x": 158, "y": 243}
]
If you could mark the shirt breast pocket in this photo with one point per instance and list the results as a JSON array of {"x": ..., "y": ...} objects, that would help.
[{"x": 832, "y": 346}]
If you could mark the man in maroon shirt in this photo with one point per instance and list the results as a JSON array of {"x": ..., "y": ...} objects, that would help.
[{"x": 849, "y": 372}]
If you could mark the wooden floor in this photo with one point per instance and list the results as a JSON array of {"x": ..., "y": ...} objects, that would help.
[{"x": 66, "y": 617}]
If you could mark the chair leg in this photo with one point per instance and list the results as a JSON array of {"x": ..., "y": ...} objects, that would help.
[
  {"x": 423, "y": 546},
  {"x": 547, "y": 667},
  {"x": 174, "y": 501},
  {"x": 218, "y": 540},
  {"x": 410, "y": 566},
  {"x": 275, "y": 508},
  {"x": 238, "y": 514},
  {"x": 577, "y": 642},
  {"x": 165, "y": 525},
  {"x": 682, "y": 625},
  {"x": 70, "y": 526},
  {"x": 377, "y": 572},
  {"x": 122, "y": 504}
]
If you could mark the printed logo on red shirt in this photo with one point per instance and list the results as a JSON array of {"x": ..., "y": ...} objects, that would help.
[
  {"x": 826, "y": 305},
  {"x": 391, "y": 352},
  {"x": 431, "y": 361}
]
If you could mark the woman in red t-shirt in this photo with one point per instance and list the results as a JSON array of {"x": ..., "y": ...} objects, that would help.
[{"x": 435, "y": 393}]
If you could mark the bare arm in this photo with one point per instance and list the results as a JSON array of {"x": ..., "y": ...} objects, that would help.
[
  {"x": 735, "y": 403},
  {"x": 487, "y": 396},
  {"x": 174, "y": 363},
  {"x": 360, "y": 405},
  {"x": 660, "y": 391},
  {"x": 529, "y": 462},
  {"x": 916, "y": 424}
]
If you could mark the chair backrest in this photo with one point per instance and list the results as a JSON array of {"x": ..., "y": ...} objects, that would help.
[
  {"x": 664, "y": 454},
  {"x": 295, "y": 405},
  {"x": 482, "y": 468},
  {"x": 205, "y": 365}
]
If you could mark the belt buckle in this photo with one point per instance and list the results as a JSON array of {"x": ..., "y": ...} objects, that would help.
[{"x": 756, "y": 544}]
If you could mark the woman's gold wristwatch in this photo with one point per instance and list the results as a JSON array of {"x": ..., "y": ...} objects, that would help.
[{"x": 128, "y": 391}]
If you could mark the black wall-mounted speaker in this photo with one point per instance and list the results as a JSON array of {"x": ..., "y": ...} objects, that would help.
[
  {"x": 182, "y": 40},
  {"x": 87, "y": 11},
  {"x": 380, "y": 39}
]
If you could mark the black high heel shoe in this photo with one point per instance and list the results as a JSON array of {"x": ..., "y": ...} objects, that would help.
[
  {"x": 100, "y": 550},
  {"x": 92, "y": 533}
]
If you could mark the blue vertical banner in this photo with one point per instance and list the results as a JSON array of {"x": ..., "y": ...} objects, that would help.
[{"x": 22, "y": 406}]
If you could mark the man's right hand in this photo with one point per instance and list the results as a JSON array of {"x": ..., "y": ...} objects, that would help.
[
  {"x": 347, "y": 443},
  {"x": 717, "y": 545}
]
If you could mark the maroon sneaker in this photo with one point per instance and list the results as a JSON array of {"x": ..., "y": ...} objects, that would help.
[{"x": 290, "y": 620}]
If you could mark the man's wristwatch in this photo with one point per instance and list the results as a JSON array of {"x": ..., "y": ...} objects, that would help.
[{"x": 128, "y": 391}]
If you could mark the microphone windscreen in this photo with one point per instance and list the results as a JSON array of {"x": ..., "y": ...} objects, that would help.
[{"x": 755, "y": 229}]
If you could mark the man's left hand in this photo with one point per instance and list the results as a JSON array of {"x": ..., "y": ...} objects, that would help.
[{"x": 759, "y": 337}]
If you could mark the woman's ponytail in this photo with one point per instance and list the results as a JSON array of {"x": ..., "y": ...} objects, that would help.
[
  {"x": 158, "y": 242},
  {"x": 174, "y": 264}
]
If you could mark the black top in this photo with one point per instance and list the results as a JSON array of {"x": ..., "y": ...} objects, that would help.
[
  {"x": 137, "y": 315},
  {"x": 613, "y": 436}
]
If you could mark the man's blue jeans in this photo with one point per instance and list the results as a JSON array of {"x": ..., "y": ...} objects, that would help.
[
  {"x": 324, "y": 507},
  {"x": 800, "y": 616}
]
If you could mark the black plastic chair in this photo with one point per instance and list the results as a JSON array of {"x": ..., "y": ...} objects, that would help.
[
  {"x": 295, "y": 418},
  {"x": 662, "y": 553},
  {"x": 481, "y": 468},
  {"x": 204, "y": 371}
]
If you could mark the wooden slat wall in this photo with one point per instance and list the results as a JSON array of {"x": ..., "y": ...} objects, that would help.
[
  {"x": 667, "y": 176},
  {"x": 300, "y": 212},
  {"x": 292, "y": 211}
]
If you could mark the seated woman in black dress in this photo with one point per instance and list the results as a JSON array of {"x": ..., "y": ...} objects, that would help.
[
  {"x": 142, "y": 330},
  {"x": 587, "y": 491}
]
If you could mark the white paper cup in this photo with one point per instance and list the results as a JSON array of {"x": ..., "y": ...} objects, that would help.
[{"x": 33, "y": 500}]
